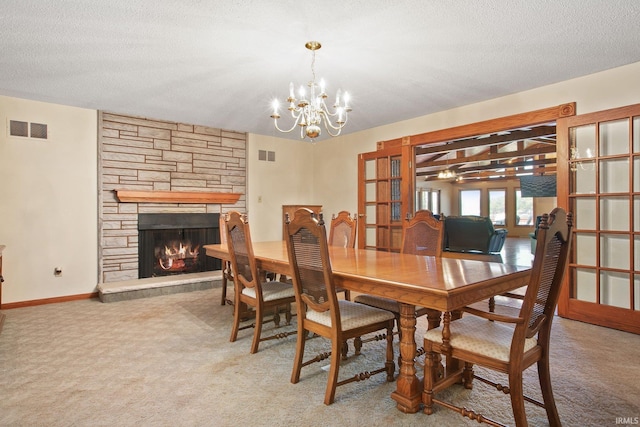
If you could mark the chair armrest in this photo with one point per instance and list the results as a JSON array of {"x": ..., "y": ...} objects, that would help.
[
  {"x": 497, "y": 240},
  {"x": 493, "y": 316}
]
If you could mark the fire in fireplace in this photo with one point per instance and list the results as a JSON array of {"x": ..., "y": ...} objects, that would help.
[
  {"x": 170, "y": 244},
  {"x": 179, "y": 256}
]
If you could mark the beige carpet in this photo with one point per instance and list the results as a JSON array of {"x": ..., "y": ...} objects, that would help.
[{"x": 167, "y": 361}]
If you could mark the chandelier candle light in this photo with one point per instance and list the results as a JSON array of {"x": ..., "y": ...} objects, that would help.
[{"x": 310, "y": 113}]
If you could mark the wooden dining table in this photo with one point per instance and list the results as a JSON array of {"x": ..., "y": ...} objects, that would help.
[{"x": 439, "y": 283}]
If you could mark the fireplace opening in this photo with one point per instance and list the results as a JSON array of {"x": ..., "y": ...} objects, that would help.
[{"x": 171, "y": 244}]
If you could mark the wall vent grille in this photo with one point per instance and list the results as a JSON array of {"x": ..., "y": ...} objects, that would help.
[
  {"x": 28, "y": 130},
  {"x": 38, "y": 130},
  {"x": 17, "y": 128},
  {"x": 265, "y": 155}
]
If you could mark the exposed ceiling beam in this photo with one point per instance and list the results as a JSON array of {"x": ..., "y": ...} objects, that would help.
[
  {"x": 516, "y": 135},
  {"x": 490, "y": 156},
  {"x": 461, "y": 170},
  {"x": 481, "y": 176}
]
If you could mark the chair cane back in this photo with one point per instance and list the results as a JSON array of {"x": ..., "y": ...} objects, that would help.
[
  {"x": 342, "y": 233},
  {"x": 343, "y": 230}
]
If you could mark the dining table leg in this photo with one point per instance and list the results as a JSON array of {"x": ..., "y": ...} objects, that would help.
[{"x": 408, "y": 393}]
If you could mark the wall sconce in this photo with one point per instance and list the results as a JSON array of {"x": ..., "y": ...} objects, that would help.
[{"x": 578, "y": 162}]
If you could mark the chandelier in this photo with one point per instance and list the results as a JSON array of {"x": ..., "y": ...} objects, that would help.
[
  {"x": 446, "y": 174},
  {"x": 310, "y": 113}
]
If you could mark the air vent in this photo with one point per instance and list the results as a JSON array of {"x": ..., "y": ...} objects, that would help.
[
  {"x": 38, "y": 130},
  {"x": 17, "y": 128},
  {"x": 28, "y": 130},
  {"x": 265, "y": 155}
]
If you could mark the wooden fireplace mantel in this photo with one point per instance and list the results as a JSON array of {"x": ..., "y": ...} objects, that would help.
[{"x": 137, "y": 196}]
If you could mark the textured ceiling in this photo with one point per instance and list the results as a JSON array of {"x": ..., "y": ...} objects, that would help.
[{"x": 221, "y": 63}]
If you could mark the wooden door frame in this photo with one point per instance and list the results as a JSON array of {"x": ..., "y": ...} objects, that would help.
[{"x": 406, "y": 145}]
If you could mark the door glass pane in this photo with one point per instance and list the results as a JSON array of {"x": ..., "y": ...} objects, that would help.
[
  {"x": 636, "y": 174},
  {"x": 614, "y": 137},
  {"x": 636, "y": 292},
  {"x": 370, "y": 212},
  {"x": 614, "y": 176},
  {"x": 614, "y": 289},
  {"x": 370, "y": 192},
  {"x": 584, "y": 177},
  {"x": 585, "y": 213},
  {"x": 636, "y": 134},
  {"x": 636, "y": 253},
  {"x": 369, "y": 169},
  {"x": 497, "y": 206},
  {"x": 370, "y": 236},
  {"x": 395, "y": 211},
  {"x": 587, "y": 253},
  {"x": 614, "y": 251},
  {"x": 636, "y": 217},
  {"x": 395, "y": 166},
  {"x": 583, "y": 141},
  {"x": 585, "y": 281},
  {"x": 614, "y": 213},
  {"x": 470, "y": 202},
  {"x": 524, "y": 209}
]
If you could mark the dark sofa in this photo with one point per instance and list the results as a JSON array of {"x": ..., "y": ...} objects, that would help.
[{"x": 470, "y": 233}]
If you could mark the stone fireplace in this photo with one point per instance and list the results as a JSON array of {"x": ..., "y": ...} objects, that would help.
[{"x": 163, "y": 165}]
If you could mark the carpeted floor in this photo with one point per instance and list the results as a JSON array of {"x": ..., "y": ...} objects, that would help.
[{"x": 167, "y": 361}]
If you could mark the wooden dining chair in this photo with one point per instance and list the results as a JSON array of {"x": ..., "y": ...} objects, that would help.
[
  {"x": 249, "y": 285},
  {"x": 319, "y": 311},
  {"x": 342, "y": 231},
  {"x": 503, "y": 343},
  {"x": 421, "y": 235},
  {"x": 227, "y": 275}
]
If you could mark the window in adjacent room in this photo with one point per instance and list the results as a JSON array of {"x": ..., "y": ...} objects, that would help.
[
  {"x": 497, "y": 206},
  {"x": 429, "y": 199},
  {"x": 470, "y": 202},
  {"x": 524, "y": 210}
]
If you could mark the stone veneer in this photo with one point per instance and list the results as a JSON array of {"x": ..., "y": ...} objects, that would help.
[{"x": 144, "y": 154}]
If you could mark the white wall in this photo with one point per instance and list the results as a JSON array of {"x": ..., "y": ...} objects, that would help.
[
  {"x": 287, "y": 181},
  {"x": 48, "y": 202}
]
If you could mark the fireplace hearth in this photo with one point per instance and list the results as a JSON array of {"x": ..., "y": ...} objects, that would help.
[{"x": 171, "y": 243}]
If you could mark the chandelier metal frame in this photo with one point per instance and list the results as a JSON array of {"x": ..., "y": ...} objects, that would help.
[{"x": 310, "y": 113}]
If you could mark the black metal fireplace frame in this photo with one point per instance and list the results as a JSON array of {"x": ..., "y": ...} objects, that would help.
[{"x": 176, "y": 221}]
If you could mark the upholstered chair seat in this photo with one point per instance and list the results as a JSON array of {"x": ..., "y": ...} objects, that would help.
[
  {"x": 272, "y": 291},
  {"x": 481, "y": 336}
]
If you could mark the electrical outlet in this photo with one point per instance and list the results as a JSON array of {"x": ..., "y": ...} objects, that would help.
[{"x": 57, "y": 272}]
